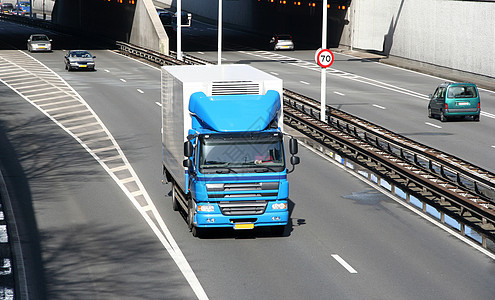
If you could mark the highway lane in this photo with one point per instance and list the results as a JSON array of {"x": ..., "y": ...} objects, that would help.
[
  {"x": 391, "y": 97},
  {"x": 332, "y": 214},
  {"x": 395, "y": 253}
]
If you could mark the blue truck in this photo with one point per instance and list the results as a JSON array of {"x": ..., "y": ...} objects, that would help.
[{"x": 223, "y": 147}]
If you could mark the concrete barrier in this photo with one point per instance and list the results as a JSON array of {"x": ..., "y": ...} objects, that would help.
[
  {"x": 146, "y": 18},
  {"x": 453, "y": 34}
]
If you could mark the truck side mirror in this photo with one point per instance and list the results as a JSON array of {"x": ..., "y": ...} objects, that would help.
[
  {"x": 187, "y": 163},
  {"x": 188, "y": 149},
  {"x": 294, "y": 160},
  {"x": 293, "y": 146}
]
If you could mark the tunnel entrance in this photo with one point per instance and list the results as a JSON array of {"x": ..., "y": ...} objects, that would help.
[{"x": 302, "y": 19}]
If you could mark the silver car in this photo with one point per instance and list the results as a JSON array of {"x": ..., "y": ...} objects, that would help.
[
  {"x": 282, "y": 42},
  {"x": 79, "y": 59},
  {"x": 39, "y": 42}
]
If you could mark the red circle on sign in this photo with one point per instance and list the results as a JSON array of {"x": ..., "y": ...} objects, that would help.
[{"x": 327, "y": 62}]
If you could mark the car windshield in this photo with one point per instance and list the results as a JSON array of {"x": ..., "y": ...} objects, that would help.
[
  {"x": 83, "y": 54},
  {"x": 40, "y": 38},
  {"x": 462, "y": 91},
  {"x": 245, "y": 151},
  {"x": 284, "y": 37}
]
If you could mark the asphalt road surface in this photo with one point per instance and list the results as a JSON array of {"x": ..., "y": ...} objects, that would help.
[{"x": 345, "y": 240}]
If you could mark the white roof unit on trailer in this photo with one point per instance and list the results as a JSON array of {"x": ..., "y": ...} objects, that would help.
[{"x": 226, "y": 79}]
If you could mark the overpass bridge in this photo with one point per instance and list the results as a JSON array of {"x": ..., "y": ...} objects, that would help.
[{"x": 422, "y": 31}]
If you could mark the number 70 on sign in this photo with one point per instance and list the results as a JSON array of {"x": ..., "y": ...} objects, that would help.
[{"x": 324, "y": 58}]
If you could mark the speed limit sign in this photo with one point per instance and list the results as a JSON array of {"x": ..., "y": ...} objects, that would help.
[{"x": 324, "y": 58}]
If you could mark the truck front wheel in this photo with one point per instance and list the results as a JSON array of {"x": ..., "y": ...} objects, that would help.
[
  {"x": 196, "y": 232},
  {"x": 190, "y": 214},
  {"x": 277, "y": 230}
]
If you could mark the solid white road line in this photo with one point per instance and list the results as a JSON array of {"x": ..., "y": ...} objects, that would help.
[
  {"x": 489, "y": 115},
  {"x": 153, "y": 218},
  {"x": 379, "y": 106},
  {"x": 433, "y": 125},
  {"x": 338, "y": 93},
  {"x": 344, "y": 263},
  {"x": 304, "y": 82}
]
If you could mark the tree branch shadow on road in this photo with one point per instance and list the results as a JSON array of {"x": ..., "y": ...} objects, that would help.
[{"x": 80, "y": 261}]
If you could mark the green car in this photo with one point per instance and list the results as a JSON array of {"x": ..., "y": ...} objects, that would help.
[{"x": 452, "y": 100}]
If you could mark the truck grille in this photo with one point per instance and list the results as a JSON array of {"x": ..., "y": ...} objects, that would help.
[
  {"x": 234, "y": 88},
  {"x": 238, "y": 208},
  {"x": 242, "y": 190}
]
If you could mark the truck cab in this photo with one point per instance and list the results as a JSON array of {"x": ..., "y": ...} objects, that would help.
[{"x": 234, "y": 171}]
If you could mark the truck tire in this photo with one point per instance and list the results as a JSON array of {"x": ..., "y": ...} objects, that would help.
[
  {"x": 190, "y": 214},
  {"x": 277, "y": 230},
  {"x": 196, "y": 232},
  {"x": 175, "y": 203}
]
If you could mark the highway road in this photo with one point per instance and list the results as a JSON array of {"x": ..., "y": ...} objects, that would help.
[
  {"x": 87, "y": 240},
  {"x": 394, "y": 98}
]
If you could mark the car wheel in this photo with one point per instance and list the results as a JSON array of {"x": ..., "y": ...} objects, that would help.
[
  {"x": 443, "y": 117},
  {"x": 476, "y": 118},
  {"x": 430, "y": 114}
]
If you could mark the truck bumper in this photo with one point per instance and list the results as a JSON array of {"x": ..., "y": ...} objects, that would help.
[{"x": 241, "y": 222}]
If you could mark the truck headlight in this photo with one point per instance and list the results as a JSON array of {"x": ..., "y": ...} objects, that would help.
[
  {"x": 279, "y": 206},
  {"x": 206, "y": 208}
]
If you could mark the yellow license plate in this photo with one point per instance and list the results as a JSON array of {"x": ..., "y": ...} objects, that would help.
[
  {"x": 82, "y": 66},
  {"x": 243, "y": 226}
]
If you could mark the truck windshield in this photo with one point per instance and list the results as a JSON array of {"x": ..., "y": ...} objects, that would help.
[{"x": 261, "y": 152}]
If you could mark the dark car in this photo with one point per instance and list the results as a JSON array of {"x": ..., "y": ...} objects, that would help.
[
  {"x": 79, "y": 59},
  {"x": 452, "y": 100},
  {"x": 6, "y": 8}
]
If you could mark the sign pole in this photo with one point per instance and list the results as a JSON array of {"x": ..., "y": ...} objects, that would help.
[
  {"x": 323, "y": 95},
  {"x": 219, "y": 32},
  {"x": 179, "y": 29}
]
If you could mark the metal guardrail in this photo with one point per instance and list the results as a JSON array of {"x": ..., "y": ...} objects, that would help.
[
  {"x": 157, "y": 57},
  {"x": 453, "y": 187},
  {"x": 403, "y": 172}
]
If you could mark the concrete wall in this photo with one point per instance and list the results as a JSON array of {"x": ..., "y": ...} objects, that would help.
[
  {"x": 147, "y": 29},
  {"x": 38, "y": 5},
  {"x": 454, "y": 34},
  {"x": 235, "y": 12}
]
